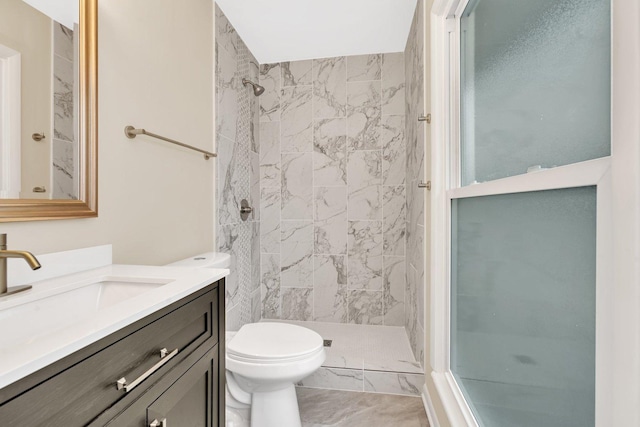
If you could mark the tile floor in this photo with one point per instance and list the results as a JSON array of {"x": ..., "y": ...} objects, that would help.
[
  {"x": 332, "y": 408},
  {"x": 367, "y": 358}
]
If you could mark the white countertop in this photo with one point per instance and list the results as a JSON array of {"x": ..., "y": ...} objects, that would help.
[{"x": 24, "y": 354}]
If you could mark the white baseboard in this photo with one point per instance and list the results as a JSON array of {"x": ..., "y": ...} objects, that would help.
[{"x": 428, "y": 406}]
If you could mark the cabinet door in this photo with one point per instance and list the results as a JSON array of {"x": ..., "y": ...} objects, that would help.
[{"x": 192, "y": 401}]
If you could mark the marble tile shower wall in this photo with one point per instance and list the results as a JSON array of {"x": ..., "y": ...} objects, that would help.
[
  {"x": 237, "y": 116},
  {"x": 332, "y": 182},
  {"x": 65, "y": 149},
  {"x": 415, "y": 166}
]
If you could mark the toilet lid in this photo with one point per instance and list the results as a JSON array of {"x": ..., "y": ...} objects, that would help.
[{"x": 270, "y": 340}]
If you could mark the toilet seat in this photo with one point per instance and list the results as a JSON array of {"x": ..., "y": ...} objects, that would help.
[
  {"x": 273, "y": 343},
  {"x": 250, "y": 360}
]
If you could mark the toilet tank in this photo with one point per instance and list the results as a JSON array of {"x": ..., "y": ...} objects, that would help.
[{"x": 205, "y": 260}]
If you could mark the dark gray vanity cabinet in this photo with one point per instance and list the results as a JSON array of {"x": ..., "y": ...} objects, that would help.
[{"x": 170, "y": 366}]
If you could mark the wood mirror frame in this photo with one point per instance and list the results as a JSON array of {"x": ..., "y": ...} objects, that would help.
[{"x": 15, "y": 210}]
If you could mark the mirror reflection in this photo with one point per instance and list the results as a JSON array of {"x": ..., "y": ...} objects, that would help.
[{"x": 39, "y": 98}]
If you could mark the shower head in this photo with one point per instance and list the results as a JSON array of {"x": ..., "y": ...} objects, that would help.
[{"x": 257, "y": 89}]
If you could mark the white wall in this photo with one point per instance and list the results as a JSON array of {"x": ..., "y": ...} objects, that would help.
[
  {"x": 435, "y": 405},
  {"x": 155, "y": 201}
]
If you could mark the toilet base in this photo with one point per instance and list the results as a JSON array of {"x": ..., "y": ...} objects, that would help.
[{"x": 276, "y": 408}]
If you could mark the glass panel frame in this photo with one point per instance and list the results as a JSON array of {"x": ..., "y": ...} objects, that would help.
[
  {"x": 446, "y": 154},
  {"x": 515, "y": 112},
  {"x": 538, "y": 311}
]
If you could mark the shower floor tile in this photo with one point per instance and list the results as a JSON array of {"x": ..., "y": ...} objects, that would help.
[
  {"x": 375, "y": 348},
  {"x": 366, "y": 358}
]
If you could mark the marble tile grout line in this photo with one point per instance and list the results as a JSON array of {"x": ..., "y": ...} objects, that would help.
[
  {"x": 313, "y": 202},
  {"x": 347, "y": 254},
  {"x": 281, "y": 297},
  {"x": 381, "y": 201}
]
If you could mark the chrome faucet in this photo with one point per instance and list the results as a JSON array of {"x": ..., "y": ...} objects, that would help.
[{"x": 4, "y": 255}]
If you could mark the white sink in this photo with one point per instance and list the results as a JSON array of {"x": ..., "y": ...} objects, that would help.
[
  {"x": 112, "y": 290},
  {"x": 64, "y": 314},
  {"x": 65, "y": 308}
]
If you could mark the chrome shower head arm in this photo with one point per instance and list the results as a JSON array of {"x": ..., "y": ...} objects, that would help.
[{"x": 257, "y": 89}]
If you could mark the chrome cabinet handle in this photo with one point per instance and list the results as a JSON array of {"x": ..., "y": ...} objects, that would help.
[
  {"x": 161, "y": 423},
  {"x": 123, "y": 384}
]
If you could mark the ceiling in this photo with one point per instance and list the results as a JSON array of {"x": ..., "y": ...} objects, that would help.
[{"x": 290, "y": 30}]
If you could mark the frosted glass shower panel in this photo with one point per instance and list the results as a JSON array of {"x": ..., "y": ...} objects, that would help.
[
  {"x": 523, "y": 307},
  {"x": 535, "y": 85}
]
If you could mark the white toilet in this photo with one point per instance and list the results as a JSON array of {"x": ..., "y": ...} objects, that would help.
[{"x": 264, "y": 361}]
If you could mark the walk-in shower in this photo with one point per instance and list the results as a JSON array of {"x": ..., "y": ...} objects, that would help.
[{"x": 329, "y": 156}]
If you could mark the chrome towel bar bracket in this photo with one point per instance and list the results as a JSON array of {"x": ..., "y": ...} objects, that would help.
[
  {"x": 426, "y": 185},
  {"x": 426, "y": 118},
  {"x": 132, "y": 132}
]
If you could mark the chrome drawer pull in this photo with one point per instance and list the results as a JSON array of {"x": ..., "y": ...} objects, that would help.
[
  {"x": 156, "y": 423},
  {"x": 122, "y": 382}
]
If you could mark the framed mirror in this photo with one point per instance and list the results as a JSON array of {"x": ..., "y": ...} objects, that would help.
[{"x": 48, "y": 110}]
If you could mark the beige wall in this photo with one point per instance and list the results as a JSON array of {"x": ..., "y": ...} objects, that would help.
[
  {"x": 26, "y": 30},
  {"x": 156, "y": 201}
]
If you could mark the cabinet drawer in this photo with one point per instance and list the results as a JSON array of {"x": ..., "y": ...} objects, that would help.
[
  {"x": 83, "y": 391},
  {"x": 186, "y": 396}
]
